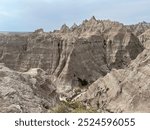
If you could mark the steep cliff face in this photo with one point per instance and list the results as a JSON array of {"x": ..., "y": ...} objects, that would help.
[
  {"x": 145, "y": 38},
  {"x": 124, "y": 90},
  {"x": 120, "y": 44},
  {"x": 99, "y": 62},
  {"x": 84, "y": 64},
  {"x": 75, "y": 56},
  {"x": 11, "y": 48}
]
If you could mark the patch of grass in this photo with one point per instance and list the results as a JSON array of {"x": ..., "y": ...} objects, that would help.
[
  {"x": 71, "y": 107},
  {"x": 61, "y": 108}
]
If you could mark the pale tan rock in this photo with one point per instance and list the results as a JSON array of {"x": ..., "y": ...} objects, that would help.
[
  {"x": 139, "y": 28},
  {"x": 84, "y": 57},
  {"x": 26, "y": 92},
  {"x": 124, "y": 90},
  {"x": 75, "y": 57},
  {"x": 145, "y": 38}
]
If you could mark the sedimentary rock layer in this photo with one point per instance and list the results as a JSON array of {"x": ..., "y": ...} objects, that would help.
[{"x": 75, "y": 56}]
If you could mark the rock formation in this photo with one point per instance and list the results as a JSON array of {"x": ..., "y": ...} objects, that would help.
[
  {"x": 86, "y": 62},
  {"x": 73, "y": 57},
  {"x": 29, "y": 91},
  {"x": 145, "y": 38},
  {"x": 139, "y": 28},
  {"x": 123, "y": 90}
]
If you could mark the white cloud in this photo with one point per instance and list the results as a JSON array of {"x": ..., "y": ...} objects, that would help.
[{"x": 51, "y": 14}]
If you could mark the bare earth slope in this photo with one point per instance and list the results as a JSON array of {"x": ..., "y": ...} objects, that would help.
[
  {"x": 124, "y": 90},
  {"x": 26, "y": 92}
]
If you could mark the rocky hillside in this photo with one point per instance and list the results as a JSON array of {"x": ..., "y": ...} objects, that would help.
[
  {"x": 75, "y": 56},
  {"x": 123, "y": 90},
  {"x": 30, "y": 91},
  {"x": 139, "y": 28},
  {"x": 85, "y": 62}
]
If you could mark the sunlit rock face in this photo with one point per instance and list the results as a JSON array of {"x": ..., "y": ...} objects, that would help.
[
  {"x": 30, "y": 91},
  {"x": 75, "y": 56},
  {"x": 124, "y": 90}
]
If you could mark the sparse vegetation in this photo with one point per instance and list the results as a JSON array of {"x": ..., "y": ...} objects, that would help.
[{"x": 71, "y": 107}]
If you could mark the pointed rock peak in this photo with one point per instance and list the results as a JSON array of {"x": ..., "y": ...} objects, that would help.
[
  {"x": 93, "y": 18},
  {"x": 64, "y": 26},
  {"x": 74, "y": 25},
  {"x": 143, "y": 22},
  {"x": 85, "y": 21},
  {"x": 39, "y": 31}
]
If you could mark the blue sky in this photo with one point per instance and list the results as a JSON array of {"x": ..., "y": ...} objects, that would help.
[{"x": 28, "y": 15}]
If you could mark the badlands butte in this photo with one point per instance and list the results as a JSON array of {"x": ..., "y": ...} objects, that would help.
[{"x": 97, "y": 66}]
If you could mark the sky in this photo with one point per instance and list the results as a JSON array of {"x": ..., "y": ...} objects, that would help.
[{"x": 29, "y": 15}]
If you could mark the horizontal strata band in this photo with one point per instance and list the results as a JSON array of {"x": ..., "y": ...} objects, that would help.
[{"x": 98, "y": 66}]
